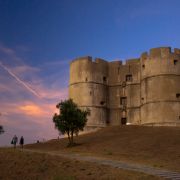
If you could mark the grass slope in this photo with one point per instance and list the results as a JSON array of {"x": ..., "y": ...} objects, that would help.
[
  {"x": 155, "y": 146},
  {"x": 23, "y": 165}
]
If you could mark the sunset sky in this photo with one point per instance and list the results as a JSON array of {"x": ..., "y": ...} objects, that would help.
[{"x": 38, "y": 39}]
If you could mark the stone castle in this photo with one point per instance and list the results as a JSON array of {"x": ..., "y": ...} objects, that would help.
[{"x": 142, "y": 91}]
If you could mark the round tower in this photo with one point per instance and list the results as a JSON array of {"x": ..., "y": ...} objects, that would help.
[
  {"x": 160, "y": 87},
  {"x": 88, "y": 88}
]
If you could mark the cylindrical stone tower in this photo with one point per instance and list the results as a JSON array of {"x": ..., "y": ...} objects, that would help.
[
  {"x": 160, "y": 87},
  {"x": 88, "y": 88}
]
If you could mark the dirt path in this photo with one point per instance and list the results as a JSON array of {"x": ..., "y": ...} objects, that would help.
[{"x": 117, "y": 164}]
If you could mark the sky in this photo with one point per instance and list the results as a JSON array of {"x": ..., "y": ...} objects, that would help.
[{"x": 39, "y": 38}]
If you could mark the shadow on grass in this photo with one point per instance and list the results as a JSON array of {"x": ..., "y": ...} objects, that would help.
[
  {"x": 60, "y": 177},
  {"x": 74, "y": 145}
]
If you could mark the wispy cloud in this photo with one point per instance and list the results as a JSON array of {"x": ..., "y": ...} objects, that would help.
[
  {"x": 32, "y": 110},
  {"x": 29, "y": 94},
  {"x": 24, "y": 69},
  {"x": 9, "y": 55},
  {"x": 7, "y": 50},
  {"x": 53, "y": 94}
]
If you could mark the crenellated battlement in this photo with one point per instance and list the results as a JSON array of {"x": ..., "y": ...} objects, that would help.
[
  {"x": 132, "y": 61},
  {"x": 99, "y": 60},
  {"x": 124, "y": 63},
  {"x": 177, "y": 51},
  {"x": 160, "y": 52},
  {"x": 116, "y": 63},
  {"x": 86, "y": 58},
  {"x": 154, "y": 53},
  {"x": 89, "y": 59}
]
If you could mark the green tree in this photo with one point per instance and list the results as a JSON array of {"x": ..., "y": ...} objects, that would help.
[
  {"x": 70, "y": 119},
  {"x": 1, "y": 129}
]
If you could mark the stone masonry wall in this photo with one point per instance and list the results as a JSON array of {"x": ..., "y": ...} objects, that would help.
[{"x": 140, "y": 91}]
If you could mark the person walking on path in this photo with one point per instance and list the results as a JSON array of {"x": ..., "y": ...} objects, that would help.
[
  {"x": 21, "y": 142},
  {"x": 14, "y": 141}
]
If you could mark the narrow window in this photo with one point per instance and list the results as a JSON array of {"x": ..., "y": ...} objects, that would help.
[
  {"x": 123, "y": 84},
  {"x": 142, "y": 98},
  {"x": 178, "y": 95},
  {"x": 102, "y": 103},
  {"x": 123, "y": 108},
  {"x": 175, "y": 61},
  {"x": 143, "y": 66},
  {"x": 123, "y": 121},
  {"x": 86, "y": 79},
  {"x": 104, "y": 79},
  {"x": 90, "y": 93},
  {"x": 129, "y": 78},
  {"x": 118, "y": 70},
  {"x": 123, "y": 100}
]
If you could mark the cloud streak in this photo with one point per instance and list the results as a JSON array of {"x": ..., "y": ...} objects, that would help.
[
  {"x": 6, "y": 50},
  {"x": 20, "y": 81},
  {"x": 29, "y": 94}
]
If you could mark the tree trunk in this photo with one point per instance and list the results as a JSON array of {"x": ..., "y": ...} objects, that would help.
[
  {"x": 72, "y": 140},
  {"x": 69, "y": 138}
]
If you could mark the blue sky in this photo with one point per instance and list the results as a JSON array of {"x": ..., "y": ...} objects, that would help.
[{"x": 38, "y": 39}]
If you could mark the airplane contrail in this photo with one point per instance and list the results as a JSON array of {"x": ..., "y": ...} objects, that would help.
[{"x": 20, "y": 81}]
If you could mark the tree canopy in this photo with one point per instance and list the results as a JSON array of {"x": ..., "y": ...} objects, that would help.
[{"x": 70, "y": 119}]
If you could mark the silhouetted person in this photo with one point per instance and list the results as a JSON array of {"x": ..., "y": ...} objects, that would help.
[
  {"x": 14, "y": 141},
  {"x": 21, "y": 142}
]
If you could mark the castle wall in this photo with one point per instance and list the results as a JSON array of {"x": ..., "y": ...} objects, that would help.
[
  {"x": 133, "y": 103},
  {"x": 120, "y": 87},
  {"x": 159, "y": 86},
  {"x": 139, "y": 91},
  {"x": 115, "y": 88},
  {"x": 132, "y": 90},
  {"x": 88, "y": 88}
]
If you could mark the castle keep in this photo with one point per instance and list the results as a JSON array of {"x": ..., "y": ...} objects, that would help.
[{"x": 144, "y": 91}]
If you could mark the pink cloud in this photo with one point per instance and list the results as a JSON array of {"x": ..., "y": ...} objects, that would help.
[
  {"x": 53, "y": 93},
  {"x": 4, "y": 88},
  {"x": 37, "y": 110},
  {"x": 32, "y": 110},
  {"x": 30, "y": 117},
  {"x": 7, "y": 50},
  {"x": 23, "y": 69},
  {"x": 21, "y": 109}
]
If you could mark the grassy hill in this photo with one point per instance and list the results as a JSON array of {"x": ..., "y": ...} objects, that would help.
[
  {"x": 23, "y": 165},
  {"x": 155, "y": 146}
]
